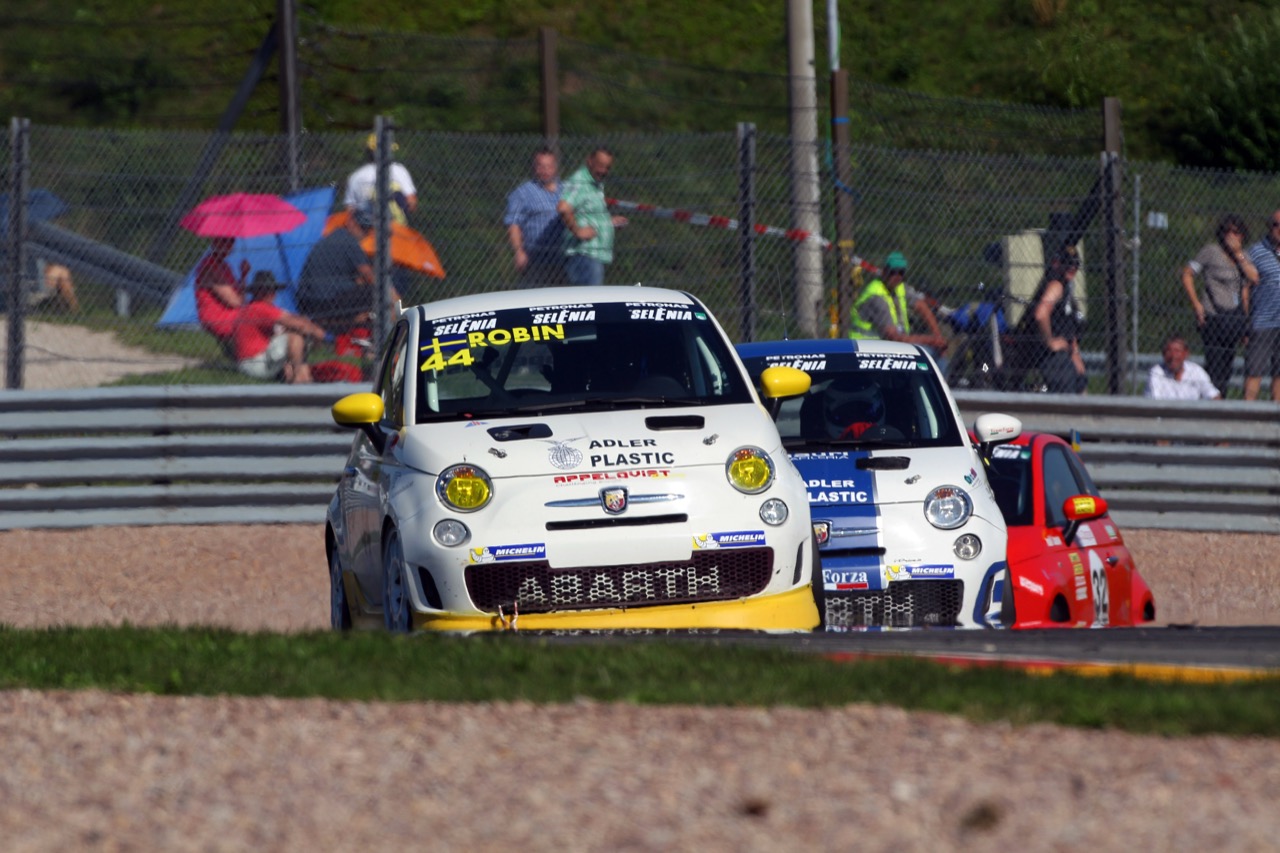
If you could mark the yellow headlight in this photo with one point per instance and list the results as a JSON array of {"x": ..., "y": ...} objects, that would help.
[
  {"x": 750, "y": 470},
  {"x": 464, "y": 488}
]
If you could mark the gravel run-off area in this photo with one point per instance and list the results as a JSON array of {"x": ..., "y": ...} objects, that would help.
[{"x": 101, "y": 771}]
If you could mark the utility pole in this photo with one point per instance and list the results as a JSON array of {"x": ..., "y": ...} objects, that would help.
[{"x": 806, "y": 214}]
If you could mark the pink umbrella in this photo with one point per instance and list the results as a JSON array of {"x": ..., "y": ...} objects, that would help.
[{"x": 242, "y": 215}]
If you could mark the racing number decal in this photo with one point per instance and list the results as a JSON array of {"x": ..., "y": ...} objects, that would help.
[
  {"x": 436, "y": 361},
  {"x": 1101, "y": 595}
]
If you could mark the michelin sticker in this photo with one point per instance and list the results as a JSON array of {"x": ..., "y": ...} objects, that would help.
[
  {"x": 509, "y": 553},
  {"x": 925, "y": 572},
  {"x": 733, "y": 539}
]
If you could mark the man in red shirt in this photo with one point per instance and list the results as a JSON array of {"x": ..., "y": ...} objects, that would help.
[
  {"x": 269, "y": 342},
  {"x": 219, "y": 294}
]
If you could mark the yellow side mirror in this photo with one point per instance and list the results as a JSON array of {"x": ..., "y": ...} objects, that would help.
[
  {"x": 357, "y": 410},
  {"x": 778, "y": 382}
]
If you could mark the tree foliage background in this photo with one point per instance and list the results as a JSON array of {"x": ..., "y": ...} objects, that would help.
[{"x": 1193, "y": 77}]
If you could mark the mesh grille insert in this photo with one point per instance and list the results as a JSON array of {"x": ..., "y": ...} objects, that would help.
[
  {"x": 905, "y": 604},
  {"x": 536, "y": 587}
]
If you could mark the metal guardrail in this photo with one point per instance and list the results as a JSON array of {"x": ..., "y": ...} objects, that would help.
[
  {"x": 271, "y": 454},
  {"x": 1173, "y": 465}
]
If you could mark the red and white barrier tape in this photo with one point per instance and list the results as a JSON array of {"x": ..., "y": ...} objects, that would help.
[{"x": 706, "y": 220}]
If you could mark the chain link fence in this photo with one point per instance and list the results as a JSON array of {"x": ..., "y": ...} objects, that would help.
[{"x": 105, "y": 205}]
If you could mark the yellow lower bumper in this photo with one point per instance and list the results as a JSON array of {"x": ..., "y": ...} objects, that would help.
[{"x": 787, "y": 611}]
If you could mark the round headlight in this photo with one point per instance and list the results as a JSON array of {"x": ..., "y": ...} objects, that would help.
[
  {"x": 465, "y": 488},
  {"x": 968, "y": 547},
  {"x": 774, "y": 512},
  {"x": 948, "y": 507},
  {"x": 749, "y": 469},
  {"x": 451, "y": 532}
]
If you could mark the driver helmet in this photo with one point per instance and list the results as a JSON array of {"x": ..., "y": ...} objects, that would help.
[{"x": 852, "y": 405}]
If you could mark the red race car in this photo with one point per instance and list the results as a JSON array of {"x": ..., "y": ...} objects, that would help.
[{"x": 1068, "y": 564}]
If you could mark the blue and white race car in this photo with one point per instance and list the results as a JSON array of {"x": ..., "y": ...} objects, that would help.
[{"x": 908, "y": 528}]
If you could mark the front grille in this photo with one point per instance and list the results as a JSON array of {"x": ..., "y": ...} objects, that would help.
[
  {"x": 905, "y": 604},
  {"x": 537, "y": 588}
]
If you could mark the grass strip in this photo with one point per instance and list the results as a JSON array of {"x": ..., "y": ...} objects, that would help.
[{"x": 378, "y": 667}]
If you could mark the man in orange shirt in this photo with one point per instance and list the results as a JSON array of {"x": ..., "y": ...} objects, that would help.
[{"x": 269, "y": 342}]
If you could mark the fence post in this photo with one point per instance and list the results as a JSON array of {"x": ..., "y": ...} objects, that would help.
[
  {"x": 843, "y": 200},
  {"x": 1113, "y": 215},
  {"x": 747, "y": 226},
  {"x": 19, "y": 133},
  {"x": 806, "y": 214},
  {"x": 384, "y": 133},
  {"x": 290, "y": 116},
  {"x": 550, "y": 88}
]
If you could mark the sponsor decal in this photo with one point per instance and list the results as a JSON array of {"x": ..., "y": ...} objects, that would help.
[
  {"x": 471, "y": 424},
  {"x": 1084, "y": 505},
  {"x": 900, "y": 572},
  {"x": 1029, "y": 584},
  {"x": 1085, "y": 536},
  {"x": 831, "y": 455},
  {"x": 605, "y": 476},
  {"x": 556, "y": 314},
  {"x": 562, "y": 456},
  {"x": 622, "y": 442},
  {"x": 1081, "y": 593},
  {"x": 1053, "y": 541},
  {"x": 1006, "y": 451},
  {"x": 730, "y": 539},
  {"x": 635, "y": 458},
  {"x": 509, "y": 553},
  {"x": 463, "y": 324},
  {"x": 890, "y": 362},
  {"x": 814, "y": 363},
  {"x": 659, "y": 311},
  {"x": 838, "y": 491},
  {"x": 971, "y": 477},
  {"x": 844, "y": 579},
  {"x": 1111, "y": 531}
]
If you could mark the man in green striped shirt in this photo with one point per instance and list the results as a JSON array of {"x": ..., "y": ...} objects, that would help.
[{"x": 588, "y": 225}]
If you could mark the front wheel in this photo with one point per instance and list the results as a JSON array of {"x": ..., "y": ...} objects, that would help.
[
  {"x": 396, "y": 614},
  {"x": 339, "y": 609}
]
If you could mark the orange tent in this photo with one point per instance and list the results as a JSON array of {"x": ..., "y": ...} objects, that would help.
[{"x": 409, "y": 249}]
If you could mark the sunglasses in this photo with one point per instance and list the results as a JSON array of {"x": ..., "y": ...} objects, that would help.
[
  {"x": 895, "y": 272},
  {"x": 1274, "y": 224}
]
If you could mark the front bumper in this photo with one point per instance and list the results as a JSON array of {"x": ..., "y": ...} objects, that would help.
[{"x": 788, "y": 611}]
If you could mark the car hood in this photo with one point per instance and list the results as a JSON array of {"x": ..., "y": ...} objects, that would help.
[
  {"x": 606, "y": 445},
  {"x": 853, "y": 478}
]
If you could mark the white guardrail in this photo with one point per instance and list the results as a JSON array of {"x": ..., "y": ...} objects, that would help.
[{"x": 271, "y": 454}]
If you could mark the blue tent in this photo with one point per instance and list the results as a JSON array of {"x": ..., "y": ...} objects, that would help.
[{"x": 282, "y": 254}]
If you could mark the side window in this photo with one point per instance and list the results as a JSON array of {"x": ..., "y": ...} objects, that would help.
[
  {"x": 391, "y": 382},
  {"x": 1059, "y": 484}
]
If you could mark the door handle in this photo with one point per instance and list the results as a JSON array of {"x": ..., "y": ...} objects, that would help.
[{"x": 1112, "y": 560}]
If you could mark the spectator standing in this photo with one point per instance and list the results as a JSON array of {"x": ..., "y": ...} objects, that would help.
[
  {"x": 335, "y": 288},
  {"x": 269, "y": 342},
  {"x": 1048, "y": 335},
  {"x": 534, "y": 228},
  {"x": 881, "y": 309},
  {"x": 1222, "y": 316},
  {"x": 589, "y": 226},
  {"x": 1262, "y": 351},
  {"x": 1176, "y": 378},
  {"x": 219, "y": 294},
  {"x": 362, "y": 184}
]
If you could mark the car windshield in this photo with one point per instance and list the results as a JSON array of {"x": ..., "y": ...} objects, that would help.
[
  {"x": 866, "y": 400},
  {"x": 1010, "y": 476},
  {"x": 584, "y": 357}
]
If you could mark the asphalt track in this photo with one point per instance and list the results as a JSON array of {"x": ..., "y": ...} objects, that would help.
[{"x": 1180, "y": 653}]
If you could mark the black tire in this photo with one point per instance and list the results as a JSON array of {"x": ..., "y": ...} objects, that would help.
[
  {"x": 339, "y": 609},
  {"x": 397, "y": 615}
]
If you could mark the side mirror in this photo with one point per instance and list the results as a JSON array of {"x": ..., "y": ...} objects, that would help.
[
  {"x": 779, "y": 382},
  {"x": 992, "y": 429},
  {"x": 1078, "y": 508},
  {"x": 361, "y": 411}
]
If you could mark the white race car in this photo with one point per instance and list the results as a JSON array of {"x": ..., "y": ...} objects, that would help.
[
  {"x": 909, "y": 530},
  {"x": 568, "y": 458}
]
